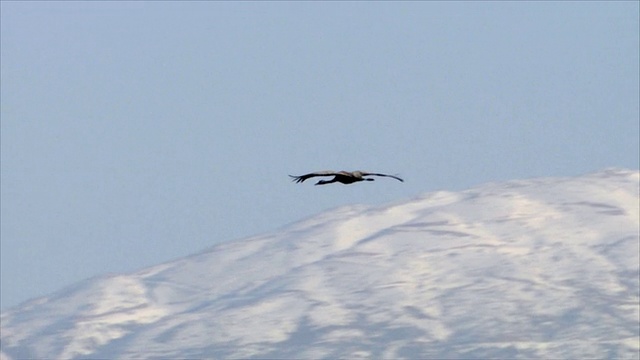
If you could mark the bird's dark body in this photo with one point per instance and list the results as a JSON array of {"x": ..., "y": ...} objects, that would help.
[
  {"x": 343, "y": 177},
  {"x": 343, "y": 180}
]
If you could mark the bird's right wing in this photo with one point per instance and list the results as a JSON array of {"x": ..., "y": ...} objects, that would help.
[
  {"x": 301, "y": 178},
  {"x": 364, "y": 173}
]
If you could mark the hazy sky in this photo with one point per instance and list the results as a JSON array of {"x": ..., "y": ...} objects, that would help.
[{"x": 137, "y": 133}]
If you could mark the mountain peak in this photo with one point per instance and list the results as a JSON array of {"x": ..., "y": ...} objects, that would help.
[{"x": 544, "y": 268}]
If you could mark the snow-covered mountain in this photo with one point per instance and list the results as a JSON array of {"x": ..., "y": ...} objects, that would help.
[{"x": 540, "y": 268}]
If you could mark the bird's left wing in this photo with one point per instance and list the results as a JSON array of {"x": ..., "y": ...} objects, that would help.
[{"x": 301, "y": 178}]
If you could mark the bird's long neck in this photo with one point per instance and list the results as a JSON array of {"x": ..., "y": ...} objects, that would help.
[{"x": 322, "y": 182}]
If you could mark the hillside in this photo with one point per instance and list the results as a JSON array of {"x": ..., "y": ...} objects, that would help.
[{"x": 536, "y": 268}]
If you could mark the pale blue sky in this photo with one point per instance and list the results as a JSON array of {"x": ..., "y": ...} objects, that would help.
[{"x": 137, "y": 133}]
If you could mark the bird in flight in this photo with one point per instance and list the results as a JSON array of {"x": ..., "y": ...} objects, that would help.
[{"x": 343, "y": 177}]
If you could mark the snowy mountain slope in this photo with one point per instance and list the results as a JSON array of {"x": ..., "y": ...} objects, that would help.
[{"x": 541, "y": 268}]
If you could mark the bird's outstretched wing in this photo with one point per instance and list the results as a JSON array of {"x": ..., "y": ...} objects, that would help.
[
  {"x": 301, "y": 178},
  {"x": 364, "y": 173}
]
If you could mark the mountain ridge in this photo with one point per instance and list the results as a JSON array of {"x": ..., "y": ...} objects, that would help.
[{"x": 415, "y": 278}]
